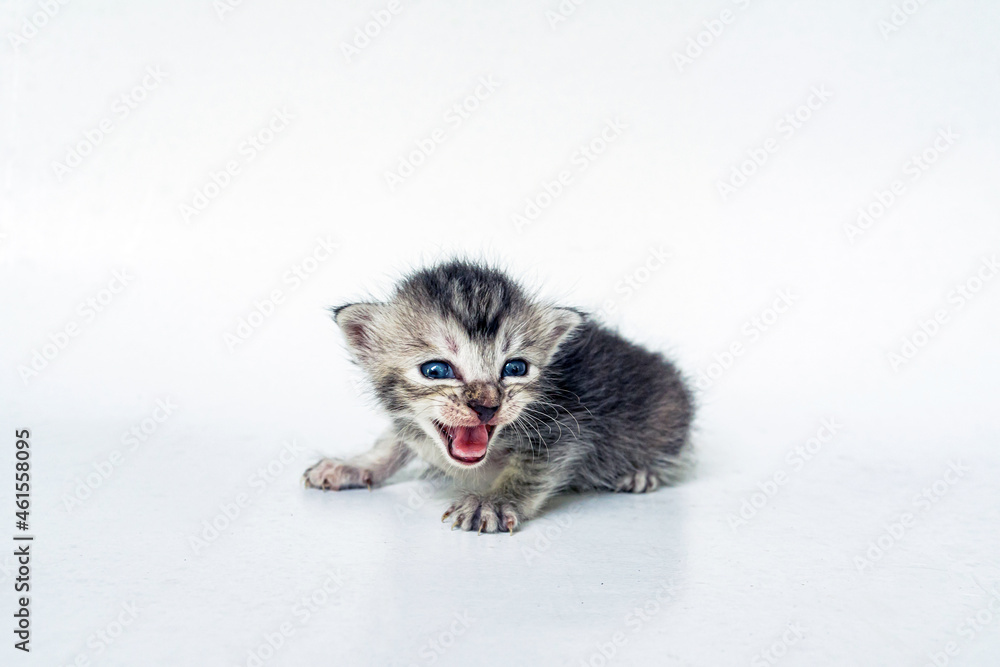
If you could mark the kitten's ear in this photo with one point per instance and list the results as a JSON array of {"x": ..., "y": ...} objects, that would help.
[
  {"x": 358, "y": 321},
  {"x": 558, "y": 324}
]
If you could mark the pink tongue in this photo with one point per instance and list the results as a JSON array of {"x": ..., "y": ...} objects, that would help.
[{"x": 469, "y": 442}]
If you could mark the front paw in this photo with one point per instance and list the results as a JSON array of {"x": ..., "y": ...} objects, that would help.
[
  {"x": 484, "y": 515},
  {"x": 334, "y": 475}
]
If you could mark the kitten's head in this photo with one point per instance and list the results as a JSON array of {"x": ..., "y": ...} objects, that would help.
[{"x": 459, "y": 350}]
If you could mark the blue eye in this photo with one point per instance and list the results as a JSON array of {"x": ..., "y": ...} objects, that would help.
[
  {"x": 437, "y": 370},
  {"x": 515, "y": 368}
]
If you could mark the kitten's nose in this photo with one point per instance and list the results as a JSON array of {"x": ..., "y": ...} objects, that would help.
[{"x": 485, "y": 412}]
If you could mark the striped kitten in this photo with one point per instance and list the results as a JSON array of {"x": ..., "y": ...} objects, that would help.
[{"x": 513, "y": 399}]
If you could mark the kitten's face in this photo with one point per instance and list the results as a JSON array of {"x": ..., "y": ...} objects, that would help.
[{"x": 461, "y": 385}]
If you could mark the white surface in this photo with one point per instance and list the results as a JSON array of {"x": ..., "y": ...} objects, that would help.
[{"x": 562, "y": 588}]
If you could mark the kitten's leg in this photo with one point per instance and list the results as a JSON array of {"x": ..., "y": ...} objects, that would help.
[
  {"x": 660, "y": 469},
  {"x": 518, "y": 494},
  {"x": 365, "y": 470}
]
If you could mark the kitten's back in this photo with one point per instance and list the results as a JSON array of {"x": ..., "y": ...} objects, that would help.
[{"x": 632, "y": 405}]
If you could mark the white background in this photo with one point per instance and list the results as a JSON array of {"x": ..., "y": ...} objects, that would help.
[{"x": 716, "y": 591}]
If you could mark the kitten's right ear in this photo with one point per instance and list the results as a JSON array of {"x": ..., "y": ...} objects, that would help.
[
  {"x": 555, "y": 325},
  {"x": 358, "y": 321}
]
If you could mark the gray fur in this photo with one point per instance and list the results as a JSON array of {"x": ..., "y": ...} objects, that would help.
[{"x": 595, "y": 413}]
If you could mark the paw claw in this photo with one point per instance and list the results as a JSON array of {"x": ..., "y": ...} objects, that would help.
[
  {"x": 484, "y": 515},
  {"x": 335, "y": 475},
  {"x": 640, "y": 481}
]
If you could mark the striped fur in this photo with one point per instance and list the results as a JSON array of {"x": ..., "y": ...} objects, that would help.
[{"x": 594, "y": 413}]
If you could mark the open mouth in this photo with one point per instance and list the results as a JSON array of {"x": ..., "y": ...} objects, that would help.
[{"x": 466, "y": 444}]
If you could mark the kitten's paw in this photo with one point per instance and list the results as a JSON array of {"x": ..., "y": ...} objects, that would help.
[
  {"x": 640, "y": 481},
  {"x": 334, "y": 475},
  {"x": 484, "y": 515}
]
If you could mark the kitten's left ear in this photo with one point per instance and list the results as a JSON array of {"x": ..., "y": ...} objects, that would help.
[
  {"x": 358, "y": 322},
  {"x": 559, "y": 323}
]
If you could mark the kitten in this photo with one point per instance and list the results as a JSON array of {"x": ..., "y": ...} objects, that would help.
[{"x": 514, "y": 400}]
